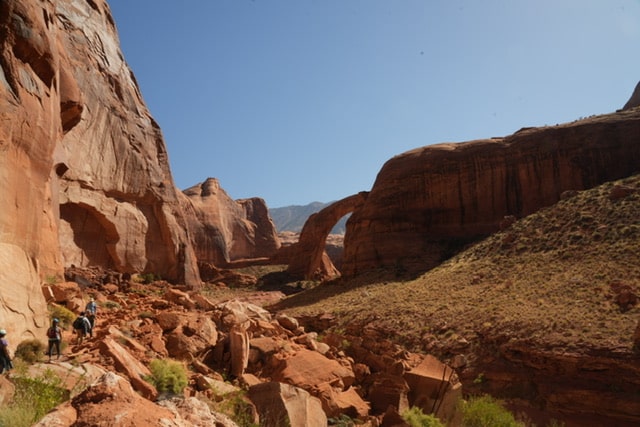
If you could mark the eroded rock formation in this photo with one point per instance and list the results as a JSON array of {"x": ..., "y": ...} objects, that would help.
[
  {"x": 119, "y": 207},
  {"x": 225, "y": 230},
  {"x": 307, "y": 257},
  {"x": 84, "y": 171},
  {"x": 427, "y": 203}
]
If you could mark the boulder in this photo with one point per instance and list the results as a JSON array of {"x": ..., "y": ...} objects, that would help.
[
  {"x": 308, "y": 369},
  {"x": 194, "y": 412},
  {"x": 434, "y": 387},
  {"x": 129, "y": 366},
  {"x": 238, "y": 312},
  {"x": 385, "y": 390},
  {"x": 287, "y": 322},
  {"x": 190, "y": 335},
  {"x": 179, "y": 297},
  {"x": 112, "y": 398},
  {"x": 74, "y": 377},
  {"x": 64, "y": 291},
  {"x": 239, "y": 349},
  {"x": 342, "y": 402},
  {"x": 285, "y": 404}
]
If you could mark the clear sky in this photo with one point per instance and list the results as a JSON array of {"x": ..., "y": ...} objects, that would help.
[{"x": 296, "y": 101}]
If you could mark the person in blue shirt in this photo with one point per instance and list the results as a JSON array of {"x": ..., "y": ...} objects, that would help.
[{"x": 91, "y": 310}]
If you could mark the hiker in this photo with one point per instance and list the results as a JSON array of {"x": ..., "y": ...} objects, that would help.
[
  {"x": 82, "y": 327},
  {"x": 5, "y": 356},
  {"x": 91, "y": 310},
  {"x": 54, "y": 334}
]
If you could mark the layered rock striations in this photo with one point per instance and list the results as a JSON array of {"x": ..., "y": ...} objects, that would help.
[
  {"x": 119, "y": 207},
  {"x": 84, "y": 172},
  {"x": 428, "y": 203},
  {"x": 225, "y": 230}
]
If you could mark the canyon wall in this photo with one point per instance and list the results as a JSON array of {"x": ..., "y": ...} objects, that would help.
[
  {"x": 426, "y": 204},
  {"x": 225, "y": 230},
  {"x": 84, "y": 172},
  {"x": 119, "y": 207}
]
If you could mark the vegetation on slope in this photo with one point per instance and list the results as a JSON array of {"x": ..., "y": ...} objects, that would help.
[{"x": 551, "y": 279}]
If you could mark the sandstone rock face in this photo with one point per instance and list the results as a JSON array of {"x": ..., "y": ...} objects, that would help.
[
  {"x": 84, "y": 172},
  {"x": 284, "y": 404},
  {"x": 425, "y": 382},
  {"x": 224, "y": 230},
  {"x": 23, "y": 310},
  {"x": 118, "y": 205},
  {"x": 426, "y": 203},
  {"x": 308, "y": 257},
  {"x": 634, "y": 101}
]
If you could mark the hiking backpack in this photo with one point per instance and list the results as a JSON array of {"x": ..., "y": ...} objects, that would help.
[{"x": 77, "y": 324}]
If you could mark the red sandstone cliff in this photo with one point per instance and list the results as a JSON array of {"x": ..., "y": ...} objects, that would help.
[
  {"x": 225, "y": 230},
  {"x": 427, "y": 203},
  {"x": 84, "y": 172}
]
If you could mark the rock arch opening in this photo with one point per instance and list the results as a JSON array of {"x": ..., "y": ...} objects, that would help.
[{"x": 310, "y": 260}]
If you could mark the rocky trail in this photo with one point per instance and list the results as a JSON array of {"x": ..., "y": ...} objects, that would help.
[{"x": 242, "y": 362}]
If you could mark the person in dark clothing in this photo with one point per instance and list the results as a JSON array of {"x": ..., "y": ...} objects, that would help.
[
  {"x": 54, "y": 334},
  {"x": 82, "y": 327},
  {"x": 5, "y": 357}
]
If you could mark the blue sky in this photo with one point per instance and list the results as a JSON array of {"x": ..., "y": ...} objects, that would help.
[{"x": 296, "y": 101}]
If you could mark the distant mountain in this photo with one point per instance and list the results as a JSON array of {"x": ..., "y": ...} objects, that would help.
[{"x": 292, "y": 218}]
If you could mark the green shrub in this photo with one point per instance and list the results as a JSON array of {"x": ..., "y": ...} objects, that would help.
[
  {"x": 52, "y": 279},
  {"x": 416, "y": 418},
  {"x": 235, "y": 406},
  {"x": 64, "y": 315},
  {"x": 33, "y": 398},
  {"x": 111, "y": 304},
  {"x": 30, "y": 350},
  {"x": 484, "y": 411},
  {"x": 148, "y": 278},
  {"x": 168, "y": 375}
]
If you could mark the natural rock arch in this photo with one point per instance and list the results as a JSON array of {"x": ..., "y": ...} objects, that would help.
[{"x": 307, "y": 254}]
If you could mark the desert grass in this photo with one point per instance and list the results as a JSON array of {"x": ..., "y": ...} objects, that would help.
[{"x": 548, "y": 280}]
